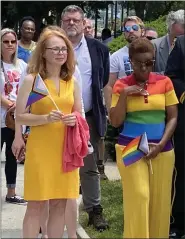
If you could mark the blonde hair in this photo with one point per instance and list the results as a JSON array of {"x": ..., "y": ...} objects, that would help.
[
  {"x": 3, "y": 33},
  {"x": 135, "y": 19},
  {"x": 37, "y": 63}
]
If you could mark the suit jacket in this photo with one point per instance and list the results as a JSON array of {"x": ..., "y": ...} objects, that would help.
[
  {"x": 161, "y": 53},
  {"x": 175, "y": 70},
  {"x": 175, "y": 66},
  {"x": 99, "y": 54}
]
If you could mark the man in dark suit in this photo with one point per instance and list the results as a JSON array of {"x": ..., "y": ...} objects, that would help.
[
  {"x": 163, "y": 45},
  {"x": 93, "y": 62},
  {"x": 176, "y": 71}
]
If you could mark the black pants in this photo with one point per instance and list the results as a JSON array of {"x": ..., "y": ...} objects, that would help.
[
  {"x": 179, "y": 202},
  {"x": 7, "y": 137}
]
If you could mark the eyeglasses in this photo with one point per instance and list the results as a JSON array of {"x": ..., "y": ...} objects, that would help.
[
  {"x": 57, "y": 50},
  {"x": 76, "y": 21},
  {"x": 146, "y": 63},
  {"x": 129, "y": 28},
  {"x": 150, "y": 38},
  {"x": 8, "y": 42},
  {"x": 29, "y": 29}
]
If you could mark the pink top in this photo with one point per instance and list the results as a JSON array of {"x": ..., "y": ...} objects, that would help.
[{"x": 75, "y": 144}]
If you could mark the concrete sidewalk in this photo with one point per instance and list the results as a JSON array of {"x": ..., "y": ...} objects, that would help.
[{"x": 12, "y": 214}]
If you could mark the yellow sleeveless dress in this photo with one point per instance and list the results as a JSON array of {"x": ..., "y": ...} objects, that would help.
[{"x": 44, "y": 178}]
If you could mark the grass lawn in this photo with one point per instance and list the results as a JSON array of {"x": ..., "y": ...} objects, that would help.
[{"x": 113, "y": 211}]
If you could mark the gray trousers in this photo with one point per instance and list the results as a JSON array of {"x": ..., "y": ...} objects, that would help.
[{"x": 89, "y": 175}]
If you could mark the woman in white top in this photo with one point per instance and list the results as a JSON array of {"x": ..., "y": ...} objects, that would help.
[{"x": 12, "y": 69}]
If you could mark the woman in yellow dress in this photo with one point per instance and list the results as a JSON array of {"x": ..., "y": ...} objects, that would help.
[{"x": 45, "y": 180}]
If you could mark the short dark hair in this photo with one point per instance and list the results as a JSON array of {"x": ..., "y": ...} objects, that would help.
[
  {"x": 106, "y": 32},
  {"x": 150, "y": 29},
  {"x": 140, "y": 45},
  {"x": 72, "y": 8},
  {"x": 27, "y": 18}
]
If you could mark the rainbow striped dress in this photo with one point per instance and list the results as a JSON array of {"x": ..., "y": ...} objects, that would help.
[{"x": 146, "y": 113}]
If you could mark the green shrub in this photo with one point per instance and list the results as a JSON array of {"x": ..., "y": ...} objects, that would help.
[{"x": 159, "y": 25}]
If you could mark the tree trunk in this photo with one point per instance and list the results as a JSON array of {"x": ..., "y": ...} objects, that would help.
[
  {"x": 115, "y": 19},
  {"x": 112, "y": 16},
  {"x": 139, "y": 8},
  {"x": 128, "y": 7},
  {"x": 96, "y": 22},
  {"x": 107, "y": 15},
  {"x": 38, "y": 27},
  {"x": 122, "y": 14}
]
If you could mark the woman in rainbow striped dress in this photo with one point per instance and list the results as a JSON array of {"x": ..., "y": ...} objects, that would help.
[{"x": 145, "y": 102}]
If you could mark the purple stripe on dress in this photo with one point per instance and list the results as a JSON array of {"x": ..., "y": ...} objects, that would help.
[{"x": 125, "y": 140}]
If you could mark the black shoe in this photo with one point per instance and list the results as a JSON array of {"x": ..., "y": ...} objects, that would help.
[
  {"x": 96, "y": 219},
  {"x": 101, "y": 170},
  {"x": 16, "y": 200},
  {"x": 175, "y": 234}
]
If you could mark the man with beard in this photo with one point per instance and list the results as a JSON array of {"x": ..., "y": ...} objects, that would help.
[
  {"x": 120, "y": 66},
  {"x": 93, "y": 62},
  {"x": 26, "y": 44}
]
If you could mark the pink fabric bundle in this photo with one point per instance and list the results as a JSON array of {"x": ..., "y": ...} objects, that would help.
[{"x": 75, "y": 144}]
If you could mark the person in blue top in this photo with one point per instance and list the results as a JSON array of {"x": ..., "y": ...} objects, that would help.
[{"x": 26, "y": 44}]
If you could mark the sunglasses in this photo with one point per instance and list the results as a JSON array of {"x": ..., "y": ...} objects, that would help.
[
  {"x": 129, "y": 28},
  {"x": 8, "y": 42},
  {"x": 146, "y": 63},
  {"x": 150, "y": 38}
]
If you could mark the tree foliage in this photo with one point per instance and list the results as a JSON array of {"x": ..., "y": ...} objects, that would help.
[
  {"x": 12, "y": 12},
  {"x": 151, "y": 10}
]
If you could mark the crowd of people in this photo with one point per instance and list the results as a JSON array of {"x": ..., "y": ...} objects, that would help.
[{"x": 139, "y": 88}]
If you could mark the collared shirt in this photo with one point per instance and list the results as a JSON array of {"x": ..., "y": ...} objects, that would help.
[
  {"x": 146, "y": 116},
  {"x": 85, "y": 66},
  {"x": 78, "y": 79},
  {"x": 171, "y": 46},
  {"x": 168, "y": 40}
]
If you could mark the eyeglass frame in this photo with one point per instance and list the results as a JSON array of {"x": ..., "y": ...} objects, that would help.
[
  {"x": 8, "y": 42},
  {"x": 58, "y": 49},
  {"x": 124, "y": 28},
  {"x": 76, "y": 21},
  {"x": 140, "y": 64}
]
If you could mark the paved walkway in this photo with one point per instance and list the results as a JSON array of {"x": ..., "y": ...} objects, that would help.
[
  {"x": 12, "y": 215},
  {"x": 111, "y": 170}
]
